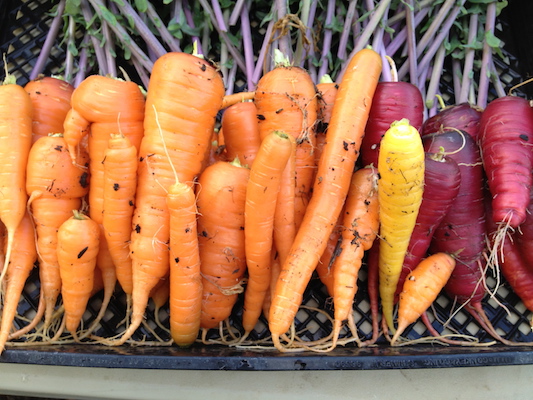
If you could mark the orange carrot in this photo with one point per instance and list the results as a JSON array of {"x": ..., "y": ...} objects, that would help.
[
  {"x": 335, "y": 169},
  {"x": 56, "y": 187},
  {"x": 185, "y": 299},
  {"x": 186, "y": 92},
  {"x": 360, "y": 227},
  {"x": 234, "y": 98},
  {"x": 241, "y": 132},
  {"x": 221, "y": 201},
  {"x": 327, "y": 92},
  {"x": 50, "y": 97},
  {"x": 77, "y": 246},
  {"x": 16, "y": 113},
  {"x": 261, "y": 202},
  {"x": 421, "y": 288},
  {"x": 22, "y": 262},
  {"x": 286, "y": 100},
  {"x": 120, "y": 184}
]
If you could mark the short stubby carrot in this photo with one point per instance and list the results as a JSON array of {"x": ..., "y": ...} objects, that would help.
[
  {"x": 221, "y": 201},
  {"x": 421, "y": 288},
  {"x": 259, "y": 214},
  {"x": 50, "y": 97},
  {"x": 400, "y": 189},
  {"x": 78, "y": 241},
  {"x": 185, "y": 299},
  {"x": 16, "y": 114},
  {"x": 335, "y": 169}
]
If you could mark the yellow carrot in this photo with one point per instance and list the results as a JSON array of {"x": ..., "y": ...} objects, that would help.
[{"x": 400, "y": 188}]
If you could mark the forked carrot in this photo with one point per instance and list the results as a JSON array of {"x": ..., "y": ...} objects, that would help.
[{"x": 335, "y": 169}]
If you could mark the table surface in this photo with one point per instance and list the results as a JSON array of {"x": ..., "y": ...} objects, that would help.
[{"x": 470, "y": 383}]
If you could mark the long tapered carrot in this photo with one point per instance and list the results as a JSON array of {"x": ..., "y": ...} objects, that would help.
[
  {"x": 360, "y": 228},
  {"x": 185, "y": 300},
  {"x": 335, "y": 169},
  {"x": 261, "y": 202},
  {"x": 16, "y": 113},
  {"x": 22, "y": 262},
  {"x": 183, "y": 99}
]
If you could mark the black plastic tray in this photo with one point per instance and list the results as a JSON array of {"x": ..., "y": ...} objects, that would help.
[{"x": 28, "y": 23}]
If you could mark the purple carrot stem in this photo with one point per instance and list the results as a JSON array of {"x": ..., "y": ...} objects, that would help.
[
  {"x": 468, "y": 66},
  {"x": 82, "y": 62},
  {"x": 96, "y": 44},
  {"x": 248, "y": 47},
  {"x": 284, "y": 40},
  {"x": 48, "y": 42},
  {"x": 141, "y": 71},
  {"x": 434, "y": 80},
  {"x": 260, "y": 63},
  {"x": 109, "y": 45},
  {"x": 411, "y": 41},
  {"x": 190, "y": 21},
  {"x": 434, "y": 46},
  {"x": 230, "y": 85},
  {"x": 143, "y": 30},
  {"x": 484, "y": 73},
  {"x": 326, "y": 43},
  {"x": 69, "y": 58},
  {"x": 309, "y": 51},
  {"x": 345, "y": 34},
  {"x": 124, "y": 37},
  {"x": 217, "y": 10},
  {"x": 456, "y": 77},
  {"x": 401, "y": 37},
  {"x": 236, "y": 12},
  {"x": 498, "y": 86}
]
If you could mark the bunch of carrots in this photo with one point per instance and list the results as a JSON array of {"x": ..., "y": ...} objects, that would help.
[{"x": 108, "y": 187}]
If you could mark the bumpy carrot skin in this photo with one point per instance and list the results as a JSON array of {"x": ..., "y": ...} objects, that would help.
[
  {"x": 50, "y": 97},
  {"x": 22, "y": 262},
  {"x": 185, "y": 300},
  {"x": 335, "y": 169},
  {"x": 221, "y": 201},
  {"x": 261, "y": 201},
  {"x": 464, "y": 116},
  {"x": 392, "y": 102},
  {"x": 78, "y": 241},
  {"x": 505, "y": 139},
  {"x": 400, "y": 189},
  {"x": 360, "y": 228},
  {"x": 421, "y": 288},
  {"x": 120, "y": 185},
  {"x": 16, "y": 113}
]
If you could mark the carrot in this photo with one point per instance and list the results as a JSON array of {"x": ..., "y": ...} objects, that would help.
[
  {"x": 50, "y": 97},
  {"x": 241, "y": 132},
  {"x": 55, "y": 187},
  {"x": 286, "y": 100},
  {"x": 464, "y": 116},
  {"x": 120, "y": 184},
  {"x": 22, "y": 262},
  {"x": 392, "y": 101},
  {"x": 185, "y": 301},
  {"x": 324, "y": 267},
  {"x": 77, "y": 247},
  {"x": 421, "y": 288},
  {"x": 360, "y": 227},
  {"x": 524, "y": 236},
  {"x": 221, "y": 202},
  {"x": 505, "y": 139},
  {"x": 441, "y": 186},
  {"x": 186, "y": 91},
  {"x": 234, "y": 98},
  {"x": 401, "y": 169},
  {"x": 335, "y": 170},
  {"x": 16, "y": 113},
  {"x": 261, "y": 201}
]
